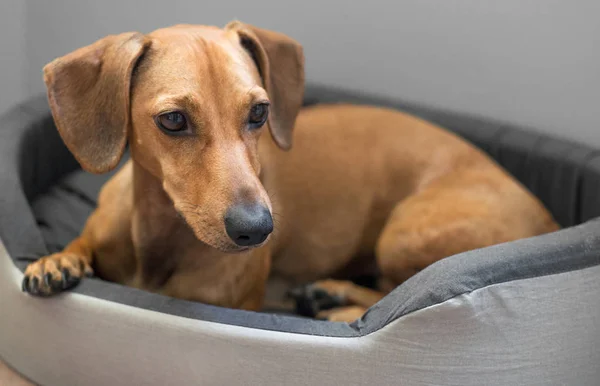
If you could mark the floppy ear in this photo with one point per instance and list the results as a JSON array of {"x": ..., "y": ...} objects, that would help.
[
  {"x": 89, "y": 95},
  {"x": 280, "y": 62}
]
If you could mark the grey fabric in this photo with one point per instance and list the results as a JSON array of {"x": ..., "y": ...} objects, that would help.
[
  {"x": 62, "y": 212},
  {"x": 538, "y": 331},
  {"x": 589, "y": 202},
  {"x": 43, "y": 205},
  {"x": 26, "y": 169},
  {"x": 549, "y": 168}
]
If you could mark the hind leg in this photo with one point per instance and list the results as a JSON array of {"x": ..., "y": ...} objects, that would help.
[
  {"x": 472, "y": 209},
  {"x": 440, "y": 222},
  {"x": 405, "y": 247},
  {"x": 421, "y": 230}
]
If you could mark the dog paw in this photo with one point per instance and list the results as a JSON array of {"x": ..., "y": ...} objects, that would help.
[
  {"x": 55, "y": 273},
  {"x": 343, "y": 314},
  {"x": 313, "y": 298}
]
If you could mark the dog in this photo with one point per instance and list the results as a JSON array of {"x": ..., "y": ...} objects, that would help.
[{"x": 210, "y": 206}]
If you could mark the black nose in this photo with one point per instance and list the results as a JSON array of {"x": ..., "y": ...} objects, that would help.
[{"x": 248, "y": 225}]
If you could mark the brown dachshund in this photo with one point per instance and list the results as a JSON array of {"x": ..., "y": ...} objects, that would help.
[{"x": 210, "y": 206}]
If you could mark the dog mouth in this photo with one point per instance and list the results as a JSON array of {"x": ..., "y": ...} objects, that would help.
[{"x": 232, "y": 248}]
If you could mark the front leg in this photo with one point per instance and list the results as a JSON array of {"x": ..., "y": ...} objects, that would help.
[
  {"x": 60, "y": 271},
  {"x": 104, "y": 244}
]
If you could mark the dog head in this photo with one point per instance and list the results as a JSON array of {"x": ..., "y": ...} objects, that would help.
[{"x": 192, "y": 101}]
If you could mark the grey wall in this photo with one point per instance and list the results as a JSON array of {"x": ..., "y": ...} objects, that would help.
[
  {"x": 13, "y": 87},
  {"x": 534, "y": 62}
]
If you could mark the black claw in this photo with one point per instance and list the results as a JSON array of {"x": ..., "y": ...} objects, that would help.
[
  {"x": 25, "y": 284},
  {"x": 48, "y": 280},
  {"x": 65, "y": 278},
  {"x": 68, "y": 280},
  {"x": 86, "y": 272},
  {"x": 74, "y": 280},
  {"x": 34, "y": 285},
  {"x": 327, "y": 301},
  {"x": 319, "y": 293},
  {"x": 55, "y": 285},
  {"x": 310, "y": 300}
]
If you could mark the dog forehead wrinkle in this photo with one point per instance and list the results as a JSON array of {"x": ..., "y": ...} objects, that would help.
[
  {"x": 246, "y": 73},
  {"x": 207, "y": 64},
  {"x": 163, "y": 77},
  {"x": 225, "y": 87}
]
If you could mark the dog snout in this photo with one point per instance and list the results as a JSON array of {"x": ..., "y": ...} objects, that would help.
[{"x": 248, "y": 225}]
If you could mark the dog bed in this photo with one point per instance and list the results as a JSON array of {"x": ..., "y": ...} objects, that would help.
[{"x": 525, "y": 312}]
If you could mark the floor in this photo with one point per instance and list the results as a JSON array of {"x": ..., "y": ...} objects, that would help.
[{"x": 9, "y": 378}]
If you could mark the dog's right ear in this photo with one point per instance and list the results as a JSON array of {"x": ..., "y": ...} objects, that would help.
[
  {"x": 89, "y": 95},
  {"x": 280, "y": 62}
]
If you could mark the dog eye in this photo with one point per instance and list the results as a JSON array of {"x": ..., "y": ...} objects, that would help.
[
  {"x": 171, "y": 122},
  {"x": 258, "y": 115}
]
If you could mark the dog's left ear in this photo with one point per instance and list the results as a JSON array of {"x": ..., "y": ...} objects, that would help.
[{"x": 280, "y": 62}]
